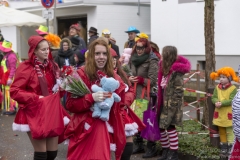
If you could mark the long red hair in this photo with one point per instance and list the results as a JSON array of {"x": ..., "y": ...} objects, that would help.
[{"x": 91, "y": 67}]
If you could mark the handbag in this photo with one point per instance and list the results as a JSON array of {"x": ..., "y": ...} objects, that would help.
[
  {"x": 140, "y": 105},
  {"x": 152, "y": 131},
  {"x": 46, "y": 117}
]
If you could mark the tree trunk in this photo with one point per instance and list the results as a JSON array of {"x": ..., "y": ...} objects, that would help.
[{"x": 209, "y": 52}]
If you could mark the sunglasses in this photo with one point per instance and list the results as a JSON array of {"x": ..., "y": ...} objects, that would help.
[{"x": 140, "y": 48}]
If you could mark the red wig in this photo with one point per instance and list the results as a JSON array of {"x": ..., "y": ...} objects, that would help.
[{"x": 145, "y": 43}]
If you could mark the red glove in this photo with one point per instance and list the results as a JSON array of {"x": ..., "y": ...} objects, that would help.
[{"x": 140, "y": 80}]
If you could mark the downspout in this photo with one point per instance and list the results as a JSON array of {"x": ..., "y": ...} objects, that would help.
[
  {"x": 55, "y": 19},
  {"x": 138, "y": 7}
]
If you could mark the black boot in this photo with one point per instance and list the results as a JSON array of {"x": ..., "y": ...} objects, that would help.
[
  {"x": 151, "y": 150},
  {"x": 139, "y": 145},
  {"x": 139, "y": 148},
  {"x": 164, "y": 154},
  {"x": 172, "y": 155},
  {"x": 223, "y": 151},
  {"x": 229, "y": 148}
]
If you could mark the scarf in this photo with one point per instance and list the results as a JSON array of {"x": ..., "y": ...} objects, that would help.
[
  {"x": 138, "y": 60},
  {"x": 39, "y": 67},
  {"x": 220, "y": 86}
]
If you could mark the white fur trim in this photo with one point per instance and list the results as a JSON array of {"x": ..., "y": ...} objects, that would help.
[
  {"x": 131, "y": 129},
  {"x": 131, "y": 126},
  {"x": 66, "y": 120},
  {"x": 86, "y": 126},
  {"x": 110, "y": 129},
  {"x": 113, "y": 147},
  {"x": 66, "y": 142},
  {"x": 20, "y": 127},
  {"x": 131, "y": 133},
  {"x": 126, "y": 88}
]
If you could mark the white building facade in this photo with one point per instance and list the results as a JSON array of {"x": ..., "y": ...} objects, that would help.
[
  {"x": 181, "y": 23},
  {"x": 115, "y": 15}
]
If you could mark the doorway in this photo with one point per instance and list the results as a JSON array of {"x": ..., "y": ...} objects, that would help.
[{"x": 64, "y": 23}]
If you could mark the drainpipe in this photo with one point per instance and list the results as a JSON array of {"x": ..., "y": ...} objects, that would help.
[
  {"x": 138, "y": 7},
  {"x": 55, "y": 19}
]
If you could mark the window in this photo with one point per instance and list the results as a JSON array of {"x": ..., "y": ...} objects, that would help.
[{"x": 202, "y": 65}]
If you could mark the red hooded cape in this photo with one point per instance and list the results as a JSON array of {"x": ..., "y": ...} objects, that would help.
[{"x": 94, "y": 143}]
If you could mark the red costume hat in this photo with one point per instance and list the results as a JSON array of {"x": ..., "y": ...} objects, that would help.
[
  {"x": 113, "y": 53},
  {"x": 75, "y": 26}
]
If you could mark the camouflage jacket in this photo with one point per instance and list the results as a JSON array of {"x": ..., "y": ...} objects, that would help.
[{"x": 170, "y": 98}]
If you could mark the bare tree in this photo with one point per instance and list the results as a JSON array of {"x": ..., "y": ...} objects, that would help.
[{"x": 209, "y": 51}]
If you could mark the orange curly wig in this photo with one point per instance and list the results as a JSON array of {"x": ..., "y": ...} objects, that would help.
[
  {"x": 227, "y": 71},
  {"x": 54, "y": 40}
]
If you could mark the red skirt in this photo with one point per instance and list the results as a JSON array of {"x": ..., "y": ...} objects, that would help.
[
  {"x": 131, "y": 127},
  {"x": 92, "y": 144},
  {"x": 36, "y": 117}
]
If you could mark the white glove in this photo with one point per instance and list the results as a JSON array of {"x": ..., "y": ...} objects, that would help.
[
  {"x": 56, "y": 86},
  {"x": 98, "y": 96}
]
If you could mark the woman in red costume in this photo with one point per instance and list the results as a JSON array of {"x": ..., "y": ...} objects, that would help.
[
  {"x": 89, "y": 137},
  {"x": 131, "y": 121},
  {"x": 33, "y": 83}
]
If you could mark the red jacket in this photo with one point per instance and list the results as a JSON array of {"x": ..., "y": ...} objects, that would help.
[
  {"x": 26, "y": 88},
  {"x": 94, "y": 143},
  {"x": 34, "y": 111}
]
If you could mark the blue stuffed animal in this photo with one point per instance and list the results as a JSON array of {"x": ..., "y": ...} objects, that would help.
[{"x": 101, "y": 109}]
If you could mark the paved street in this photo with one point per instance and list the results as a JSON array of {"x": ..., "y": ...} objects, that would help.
[{"x": 16, "y": 145}]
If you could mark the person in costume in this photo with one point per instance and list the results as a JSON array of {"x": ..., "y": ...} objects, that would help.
[
  {"x": 222, "y": 97},
  {"x": 170, "y": 99},
  {"x": 93, "y": 34},
  {"x": 79, "y": 58},
  {"x": 154, "y": 46},
  {"x": 143, "y": 65},
  {"x": 75, "y": 32},
  {"x": 132, "y": 33},
  {"x": 89, "y": 137},
  {"x": 54, "y": 43},
  {"x": 34, "y": 82},
  {"x": 65, "y": 56},
  {"x": 42, "y": 30},
  {"x": 131, "y": 121},
  {"x": 235, "y": 154},
  {"x": 107, "y": 34},
  {"x": 8, "y": 69}
]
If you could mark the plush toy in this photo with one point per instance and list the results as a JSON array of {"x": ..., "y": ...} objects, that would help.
[
  {"x": 101, "y": 109},
  {"x": 127, "y": 54}
]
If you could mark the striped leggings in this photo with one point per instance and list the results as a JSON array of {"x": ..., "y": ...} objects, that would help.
[{"x": 169, "y": 138}]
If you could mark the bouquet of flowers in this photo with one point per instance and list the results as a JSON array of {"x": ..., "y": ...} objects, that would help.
[{"x": 73, "y": 83}]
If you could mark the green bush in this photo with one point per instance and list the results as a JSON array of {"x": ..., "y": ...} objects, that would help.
[{"x": 196, "y": 144}]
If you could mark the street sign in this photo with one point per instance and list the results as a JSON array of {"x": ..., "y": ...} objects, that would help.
[
  {"x": 48, "y": 14},
  {"x": 47, "y": 3}
]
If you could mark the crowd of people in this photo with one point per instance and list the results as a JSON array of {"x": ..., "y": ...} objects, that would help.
[{"x": 27, "y": 89}]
